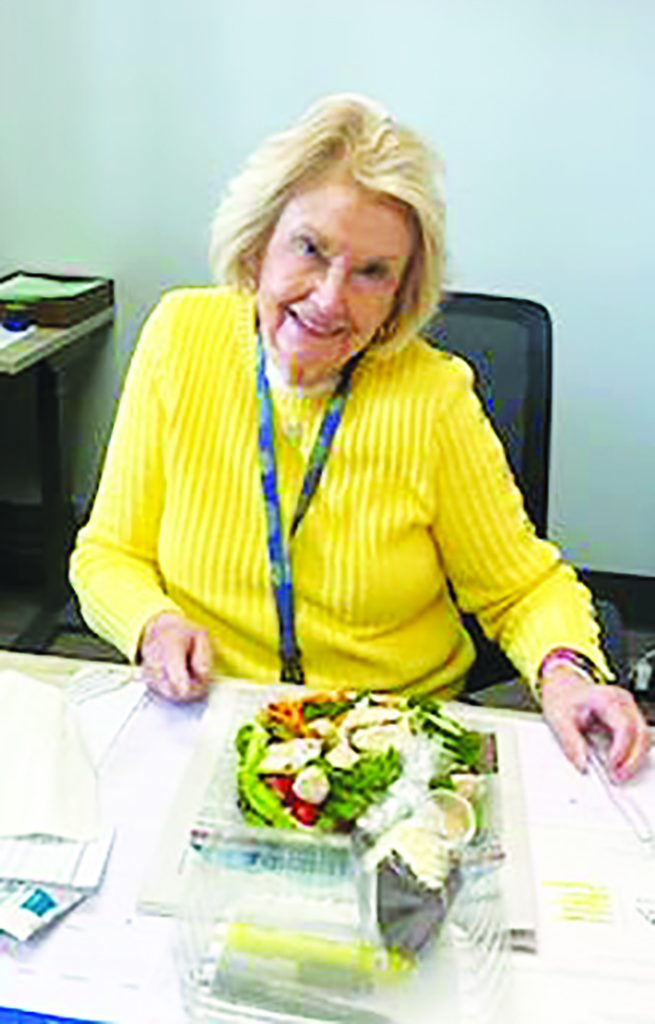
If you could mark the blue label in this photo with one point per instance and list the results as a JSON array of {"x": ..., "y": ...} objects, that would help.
[{"x": 39, "y": 903}]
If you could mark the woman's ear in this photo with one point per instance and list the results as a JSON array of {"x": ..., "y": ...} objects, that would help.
[{"x": 252, "y": 265}]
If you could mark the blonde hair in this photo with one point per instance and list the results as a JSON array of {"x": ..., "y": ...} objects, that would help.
[{"x": 380, "y": 155}]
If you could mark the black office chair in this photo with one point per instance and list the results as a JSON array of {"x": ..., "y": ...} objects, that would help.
[{"x": 508, "y": 342}]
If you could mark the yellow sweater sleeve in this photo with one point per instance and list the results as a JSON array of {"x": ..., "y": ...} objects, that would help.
[
  {"x": 114, "y": 567},
  {"x": 523, "y": 594}
]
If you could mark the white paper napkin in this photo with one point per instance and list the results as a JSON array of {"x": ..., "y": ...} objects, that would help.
[{"x": 48, "y": 783}]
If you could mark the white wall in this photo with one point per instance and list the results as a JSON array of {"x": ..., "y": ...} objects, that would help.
[{"x": 123, "y": 119}]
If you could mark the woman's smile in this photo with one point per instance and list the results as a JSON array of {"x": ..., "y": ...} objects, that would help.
[{"x": 312, "y": 324}]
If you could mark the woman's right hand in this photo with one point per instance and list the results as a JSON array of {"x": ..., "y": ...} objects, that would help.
[{"x": 176, "y": 657}]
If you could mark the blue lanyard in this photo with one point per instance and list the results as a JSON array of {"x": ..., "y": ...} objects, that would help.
[{"x": 278, "y": 551}]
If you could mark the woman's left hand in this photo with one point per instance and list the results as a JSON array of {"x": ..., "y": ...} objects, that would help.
[{"x": 572, "y": 706}]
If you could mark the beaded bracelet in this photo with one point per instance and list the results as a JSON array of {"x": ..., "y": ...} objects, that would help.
[{"x": 565, "y": 656}]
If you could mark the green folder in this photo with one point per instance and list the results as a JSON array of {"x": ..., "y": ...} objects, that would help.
[{"x": 23, "y": 288}]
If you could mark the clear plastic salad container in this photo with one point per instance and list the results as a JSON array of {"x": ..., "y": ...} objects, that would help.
[{"x": 395, "y": 919}]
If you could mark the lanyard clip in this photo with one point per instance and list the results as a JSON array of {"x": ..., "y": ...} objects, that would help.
[{"x": 292, "y": 670}]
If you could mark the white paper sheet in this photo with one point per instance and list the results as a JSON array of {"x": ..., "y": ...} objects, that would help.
[
  {"x": 104, "y": 699},
  {"x": 571, "y": 799},
  {"x": 594, "y": 877},
  {"x": 56, "y": 861},
  {"x": 48, "y": 783}
]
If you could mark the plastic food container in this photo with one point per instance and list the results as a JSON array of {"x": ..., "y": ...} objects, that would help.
[{"x": 282, "y": 926}]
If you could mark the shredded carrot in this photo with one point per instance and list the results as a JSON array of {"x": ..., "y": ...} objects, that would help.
[{"x": 289, "y": 714}]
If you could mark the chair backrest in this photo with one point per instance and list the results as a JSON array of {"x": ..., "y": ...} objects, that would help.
[{"x": 509, "y": 344}]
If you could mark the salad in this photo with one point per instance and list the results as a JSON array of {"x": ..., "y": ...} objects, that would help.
[
  {"x": 323, "y": 760},
  {"x": 403, "y": 777}
]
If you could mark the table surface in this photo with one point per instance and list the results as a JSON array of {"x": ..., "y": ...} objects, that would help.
[
  {"x": 589, "y": 969},
  {"x": 46, "y": 341}
]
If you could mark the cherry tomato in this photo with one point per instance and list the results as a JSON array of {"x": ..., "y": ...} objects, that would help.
[
  {"x": 305, "y": 812},
  {"x": 282, "y": 785}
]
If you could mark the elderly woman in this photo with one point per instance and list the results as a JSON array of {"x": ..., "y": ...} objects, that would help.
[{"x": 295, "y": 477}]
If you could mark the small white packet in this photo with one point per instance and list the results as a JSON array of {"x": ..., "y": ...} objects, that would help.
[{"x": 26, "y": 908}]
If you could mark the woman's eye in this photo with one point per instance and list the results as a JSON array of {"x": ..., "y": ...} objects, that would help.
[
  {"x": 306, "y": 247},
  {"x": 374, "y": 272}
]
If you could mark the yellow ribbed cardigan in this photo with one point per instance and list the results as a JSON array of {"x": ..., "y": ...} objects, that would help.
[{"x": 416, "y": 492}]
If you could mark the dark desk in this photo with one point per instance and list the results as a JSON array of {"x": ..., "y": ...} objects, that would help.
[{"x": 44, "y": 353}]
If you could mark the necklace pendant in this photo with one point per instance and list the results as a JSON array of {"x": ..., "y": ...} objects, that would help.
[{"x": 293, "y": 432}]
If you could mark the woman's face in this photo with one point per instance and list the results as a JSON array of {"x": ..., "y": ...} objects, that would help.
[{"x": 329, "y": 276}]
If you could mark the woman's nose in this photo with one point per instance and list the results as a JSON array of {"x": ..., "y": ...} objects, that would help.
[{"x": 330, "y": 292}]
